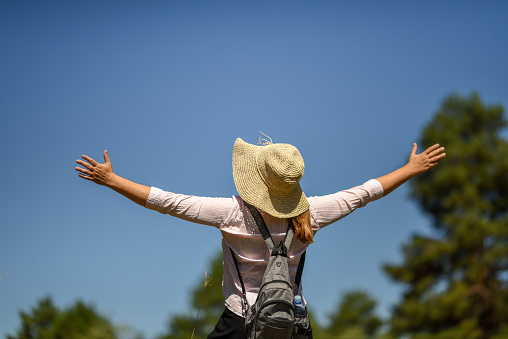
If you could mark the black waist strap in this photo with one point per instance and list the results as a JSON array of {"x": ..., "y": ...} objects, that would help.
[{"x": 241, "y": 280}]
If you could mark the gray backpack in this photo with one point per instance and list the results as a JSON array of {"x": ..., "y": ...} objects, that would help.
[{"x": 272, "y": 316}]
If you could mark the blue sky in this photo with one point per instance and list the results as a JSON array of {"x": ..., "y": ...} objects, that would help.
[{"x": 167, "y": 87}]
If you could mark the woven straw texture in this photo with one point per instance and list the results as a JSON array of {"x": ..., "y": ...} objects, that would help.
[{"x": 268, "y": 176}]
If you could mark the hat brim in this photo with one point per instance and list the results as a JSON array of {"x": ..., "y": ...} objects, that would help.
[{"x": 255, "y": 191}]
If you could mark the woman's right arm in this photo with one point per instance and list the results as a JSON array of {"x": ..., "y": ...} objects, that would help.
[
  {"x": 327, "y": 209},
  {"x": 417, "y": 164},
  {"x": 103, "y": 174},
  {"x": 330, "y": 208}
]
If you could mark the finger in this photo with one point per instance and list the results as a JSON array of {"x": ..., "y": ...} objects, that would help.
[
  {"x": 106, "y": 156},
  {"x": 90, "y": 160},
  {"x": 434, "y": 163},
  {"x": 84, "y": 176},
  {"x": 431, "y": 148},
  {"x": 437, "y": 151},
  {"x": 438, "y": 158},
  {"x": 84, "y": 164},
  {"x": 82, "y": 170},
  {"x": 415, "y": 147}
]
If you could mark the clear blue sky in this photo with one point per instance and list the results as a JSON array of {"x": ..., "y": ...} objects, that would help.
[{"x": 167, "y": 86}]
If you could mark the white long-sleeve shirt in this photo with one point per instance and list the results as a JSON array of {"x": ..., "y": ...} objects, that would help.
[{"x": 240, "y": 233}]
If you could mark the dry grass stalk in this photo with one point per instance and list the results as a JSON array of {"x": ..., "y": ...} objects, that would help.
[{"x": 206, "y": 282}]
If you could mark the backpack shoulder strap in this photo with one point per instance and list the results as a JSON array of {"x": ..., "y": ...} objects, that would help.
[
  {"x": 271, "y": 247},
  {"x": 299, "y": 271},
  {"x": 283, "y": 247},
  {"x": 261, "y": 225}
]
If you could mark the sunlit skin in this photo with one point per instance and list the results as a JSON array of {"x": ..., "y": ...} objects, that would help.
[
  {"x": 417, "y": 164},
  {"x": 103, "y": 174}
]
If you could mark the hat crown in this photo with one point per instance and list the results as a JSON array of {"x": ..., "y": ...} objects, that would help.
[
  {"x": 281, "y": 166},
  {"x": 268, "y": 176}
]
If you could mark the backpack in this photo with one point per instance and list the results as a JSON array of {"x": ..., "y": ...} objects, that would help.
[{"x": 272, "y": 316}]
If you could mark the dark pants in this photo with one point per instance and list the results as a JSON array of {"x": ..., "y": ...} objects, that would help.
[{"x": 229, "y": 326}]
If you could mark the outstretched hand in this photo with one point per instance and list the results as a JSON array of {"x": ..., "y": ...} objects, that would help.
[
  {"x": 101, "y": 174},
  {"x": 420, "y": 163}
]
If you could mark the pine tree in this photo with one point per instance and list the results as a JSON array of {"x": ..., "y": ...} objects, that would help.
[
  {"x": 207, "y": 305},
  {"x": 46, "y": 321},
  {"x": 354, "y": 317},
  {"x": 456, "y": 278}
]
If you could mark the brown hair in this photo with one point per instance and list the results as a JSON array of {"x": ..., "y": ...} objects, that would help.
[{"x": 303, "y": 228}]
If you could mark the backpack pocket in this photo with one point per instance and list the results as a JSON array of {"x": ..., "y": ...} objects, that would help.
[
  {"x": 302, "y": 329},
  {"x": 277, "y": 328},
  {"x": 275, "y": 320}
]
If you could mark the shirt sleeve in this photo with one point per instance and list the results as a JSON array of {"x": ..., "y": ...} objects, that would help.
[
  {"x": 201, "y": 210},
  {"x": 327, "y": 209}
]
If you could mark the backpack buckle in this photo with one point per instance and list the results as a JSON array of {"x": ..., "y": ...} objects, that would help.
[{"x": 281, "y": 249}]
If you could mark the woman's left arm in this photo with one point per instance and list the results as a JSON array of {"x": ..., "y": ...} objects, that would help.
[
  {"x": 202, "y": 210},
  {"x": 417, "y": 164}
]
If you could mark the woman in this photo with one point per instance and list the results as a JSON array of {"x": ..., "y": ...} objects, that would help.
[{"x": 267, "y": 177}]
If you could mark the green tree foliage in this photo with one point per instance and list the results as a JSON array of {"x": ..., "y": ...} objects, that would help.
[
  {"x": 207, "y": 305},
  {"x": 456, "y": 279},
  {"x": 45, "y": 321},
  {"x": 354, "y": 317}
]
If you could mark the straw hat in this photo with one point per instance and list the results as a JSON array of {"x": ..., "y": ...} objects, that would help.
[{"x": 268, "y": 176}]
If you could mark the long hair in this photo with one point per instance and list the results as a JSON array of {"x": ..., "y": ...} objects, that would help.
[{"x": 303, "y": 228}]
